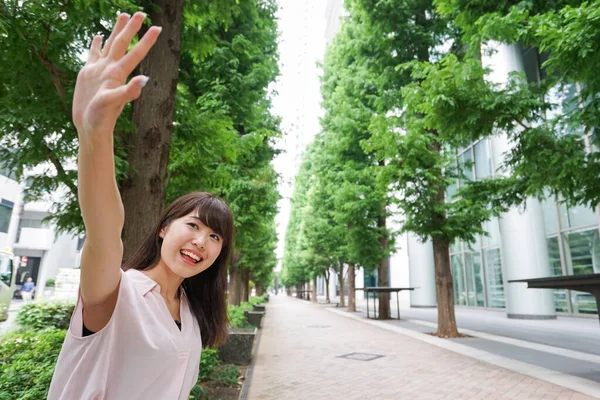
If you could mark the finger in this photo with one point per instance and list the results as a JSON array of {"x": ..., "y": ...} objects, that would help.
[
  {"x": 126, "y": 93},
  {"x": 94, "y": 52},
  {"x": 122, "y": 41},
  {"x": 122, "y": 20},
  {"x": 139, "y": 51}
]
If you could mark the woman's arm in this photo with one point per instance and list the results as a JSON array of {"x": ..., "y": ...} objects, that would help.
[{"x": 100, "y": 95}]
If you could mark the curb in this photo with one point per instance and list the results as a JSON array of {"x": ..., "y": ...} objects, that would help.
[
  {"x": 558, "y": 351},
  {"x": 248, "y": 378},
  {"x": 577, "y": 384}
]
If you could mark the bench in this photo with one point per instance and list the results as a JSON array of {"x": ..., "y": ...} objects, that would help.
[
  {"x": 379, "y": 289},
  {"x": 589, "y": 283}
]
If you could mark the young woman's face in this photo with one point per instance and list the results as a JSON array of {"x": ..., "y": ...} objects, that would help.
[{"x": 189, "y": 247}]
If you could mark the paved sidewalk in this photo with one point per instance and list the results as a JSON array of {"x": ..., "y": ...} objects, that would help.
[
  {"x": 13, "y": 310},
  {"x": 299, "y": 357},
  {"x": 569, "y": 332}
]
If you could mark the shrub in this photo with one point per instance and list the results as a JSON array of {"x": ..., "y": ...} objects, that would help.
[
  {"x": 47, "y": 314},
  {"x": 208, "y": 362},
  {"x": 198, "y": 393},
  {"x": 27, "y": 363},
  {"x": 210, "y": 371},
  {"x": 50, "y": 282},
  {"x": 224, "y": 375},
  {"x": 237, "y": 319},
  {"x": 257, "y": 299}
]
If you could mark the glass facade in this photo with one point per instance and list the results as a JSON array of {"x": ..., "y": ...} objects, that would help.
[
  {"x": 572, "y": 233},
  {"x": 573, "y": 242},
  {"x": 477, "y": 267},
  {"x": 573, "y": 249},
  {"x": 477, "y": 273}
]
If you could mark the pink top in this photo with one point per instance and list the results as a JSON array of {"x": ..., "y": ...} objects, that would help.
[{"x": 139, "y": 354}]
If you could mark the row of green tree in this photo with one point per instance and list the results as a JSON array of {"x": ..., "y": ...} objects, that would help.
[
  {"x": 202, "y": 124},
  {"x": 404, "y": 88}
]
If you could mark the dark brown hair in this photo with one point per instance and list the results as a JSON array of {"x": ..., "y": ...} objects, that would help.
[{"x": 206, "y": 290}]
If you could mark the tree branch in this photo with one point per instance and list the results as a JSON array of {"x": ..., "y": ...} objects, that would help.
[
  {"x": 61, "y": 171},
  {"x": 54, "y": 71}
]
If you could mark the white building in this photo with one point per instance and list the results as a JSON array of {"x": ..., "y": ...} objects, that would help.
[
  {"x": 40, "y": 249},
  {"x": 546, "y": 239},
  {"x": 301, "y": 47}
]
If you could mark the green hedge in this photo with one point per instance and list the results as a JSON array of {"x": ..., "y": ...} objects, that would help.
[
  {"x": 46, "y": 314},
  {"x": 27, "y": 363},
  {"x": 237, "y": 319},
  {"x": 258, "y": 299},
  {"x": 213, "y": 373},
  {"x": 28, "y": 358}
]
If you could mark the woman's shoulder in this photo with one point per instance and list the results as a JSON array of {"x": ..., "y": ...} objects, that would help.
[{"x": 139, "y": 280}]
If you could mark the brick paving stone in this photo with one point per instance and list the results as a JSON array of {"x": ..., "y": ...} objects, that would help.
[{"x": 299, "y": 357}]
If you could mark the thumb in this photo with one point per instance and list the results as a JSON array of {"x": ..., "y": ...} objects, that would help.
[{"x": 128, "y": 92}]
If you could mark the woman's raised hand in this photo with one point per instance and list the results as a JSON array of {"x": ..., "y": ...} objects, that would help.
[{"x": 101, "y": 91}]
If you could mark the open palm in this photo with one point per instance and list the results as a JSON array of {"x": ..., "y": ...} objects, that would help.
[{"x": 101, "y": 91}]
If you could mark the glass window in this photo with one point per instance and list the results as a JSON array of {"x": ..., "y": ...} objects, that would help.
[
  {"x": 466, "y": 166},
  {"x": 474, "y": 281},
  {"x": 554, "y": 256},
  {"x": 494, "y": 281},
  {"x": 478, "y": 276},
  {"x": 483, "y": 160},
  {"x": 583, "y": 252},
  {"x": 565, "y": 97},
  {"x": 475, "y": 246},
  {"x": 6, "y": 269},
  {"x": 549, "y": 211},
  {"x": 560, "y": 295},
  {"x": 451, "y": 191},
  {"x": 581, "y": 216},
  {"x": 456, "y": 247},
  {"x": 458, "y": 277},
  {"x": 584, "y": 303},
  {"x": 469, "y": 278},
  {"x": 5, "y": 213},
  {"x": 453, "y": 187},
  {"x": 7, "y": 173},
  {"x": 492, "y": 227}
]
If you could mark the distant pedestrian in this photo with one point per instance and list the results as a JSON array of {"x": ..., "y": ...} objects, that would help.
[{"x": 27, "y": 289}]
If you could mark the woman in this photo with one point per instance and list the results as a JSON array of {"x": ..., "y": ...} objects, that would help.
[{"x": 137, "y": 331}]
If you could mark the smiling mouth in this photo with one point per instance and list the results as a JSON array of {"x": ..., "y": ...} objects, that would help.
[{"x": 190, "y": 257}]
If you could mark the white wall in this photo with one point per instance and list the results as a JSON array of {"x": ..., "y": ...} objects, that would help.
[
  {"x": 55, "y": 251},
  {"x": 62, "y": 254},
  {"x": 11, "y": 191},
  {"x": 400, "y": 271}
]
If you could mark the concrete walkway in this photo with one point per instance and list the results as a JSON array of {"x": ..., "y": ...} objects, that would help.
[{"x": 308, "y": 352}]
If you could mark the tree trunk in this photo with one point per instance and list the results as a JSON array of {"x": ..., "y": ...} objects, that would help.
[
  {"x": 443, "y": 273},
  {"x": 299, "y": 294},
  {"x": 444, "y": 290},
  {"x": 383, "y": 272},
  {"x": 327, "y": 275},
  {"x": 260, "y": 290},
  {"x": 245, "y": 285},
  {"x": 341, "y": 279},
  {"x": 143, "y": 191},
  {"x": 351, "y": 287},
  {"x": 314, "y": 290},
  {"x": 235, "y": 286}
]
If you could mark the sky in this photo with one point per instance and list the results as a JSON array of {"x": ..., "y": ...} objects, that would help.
[{"x": 297, "y": 102}]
